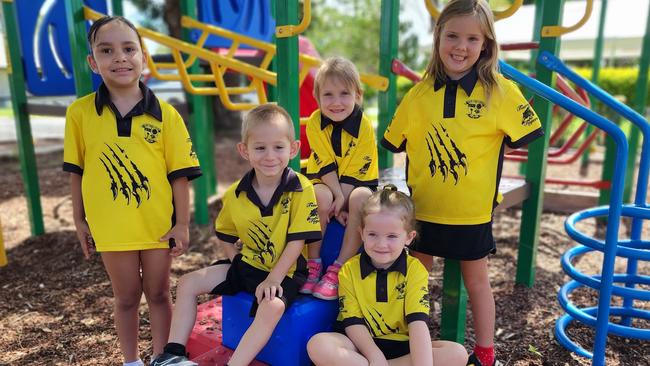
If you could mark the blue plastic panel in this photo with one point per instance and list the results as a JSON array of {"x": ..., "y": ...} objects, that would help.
[
  {"x": 45, "y": 45},
  {"x": 251, "y": 18},
  {"x": 288, "y": 344}
]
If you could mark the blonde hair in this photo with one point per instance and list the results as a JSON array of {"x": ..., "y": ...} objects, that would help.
[
  {"x": 390, "y": 199},
  {"x": 487, "y": 66},
  {"x": 341, "y": 69},
  {"x": 265, "y": 113}
]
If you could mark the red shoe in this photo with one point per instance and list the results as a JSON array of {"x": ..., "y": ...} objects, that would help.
[
  {"x": 328, "y": 286},
  {"x": 314, "y": 269}
]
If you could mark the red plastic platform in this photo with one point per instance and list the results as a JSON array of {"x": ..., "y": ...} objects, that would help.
[{"x": 204, "y": 344}]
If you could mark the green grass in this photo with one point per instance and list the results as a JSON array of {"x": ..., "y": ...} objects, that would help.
[{"x": 6, "y": 112}]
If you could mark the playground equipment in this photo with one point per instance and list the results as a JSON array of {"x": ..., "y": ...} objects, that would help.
[{"x": 634, "y": 248}]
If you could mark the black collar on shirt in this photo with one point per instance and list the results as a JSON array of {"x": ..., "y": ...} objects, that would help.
[
  {"x": 381, "y": 281},
  {"x": 467, "y": 82},
  {"x": 149, "y": 103},
  {"x": 351, "y": 124},
  {"x": 367, "y": 267},
  {"x": 289, "y": 182}
]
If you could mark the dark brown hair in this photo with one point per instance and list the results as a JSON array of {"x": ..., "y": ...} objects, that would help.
[{"x": 94, "y": 28}]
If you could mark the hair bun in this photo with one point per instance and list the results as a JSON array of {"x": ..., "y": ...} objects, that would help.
[{"x": 390, "y": 187}]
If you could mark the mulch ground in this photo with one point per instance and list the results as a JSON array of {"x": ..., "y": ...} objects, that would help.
[{"x": 56, "y": 308}]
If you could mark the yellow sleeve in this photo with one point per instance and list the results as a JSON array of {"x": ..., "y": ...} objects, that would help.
[
  {"x": 180, "y": 158},
  {"x": 321, "y": 160},
  {"x": 304, "y": 223},
  {"x": 396, "y": 133},
  {"x": 349, "y": 308},
  {"x": 224, "y": 225},
  {"x": 517, "y": 118},
  {"x": 362, "y": 168},
  {"x": 74, "y": 149},
  {"x": 416, "y": 302}
]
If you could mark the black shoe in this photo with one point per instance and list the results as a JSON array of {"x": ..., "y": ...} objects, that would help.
[
  {"x": 473, "y": 361},
  {"x": 167, "y": 359}
]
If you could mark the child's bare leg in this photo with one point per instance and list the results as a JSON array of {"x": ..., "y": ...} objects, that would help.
[
  {"x": 189, "y": 287},
  {"x": 268, "y": 315},
  {"x": 445, "y": 353},
  {"x": 334, "y": 349},
  {"x": 155, "y": 283},
  {"x": 352, "y": 236},
  {"x": 477, "y": 282},
  {"x": 123, "y": 269}
]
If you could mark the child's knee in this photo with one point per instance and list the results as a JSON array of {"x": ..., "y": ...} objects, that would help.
[
  {"x": 358, "y": 196},
  {"x": 185, "y": 285},
  {"x": 158, "y": 296},
  {"x": 129, "y": 301},
  {"x": 272, "y": 308},
  {"x": 317, "y": 347}
]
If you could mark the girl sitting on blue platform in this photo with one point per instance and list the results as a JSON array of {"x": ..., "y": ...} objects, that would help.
[{"x": 384, "y": 297}]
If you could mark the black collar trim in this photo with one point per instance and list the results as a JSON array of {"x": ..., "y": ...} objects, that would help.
[
  {"x": 288, "y": 183},
  {"x": 367, "y": 267},
  {"x": 149, "y": 104},
  {"x": 351, "y": 124},
  {"x": 467, "y": 82}
]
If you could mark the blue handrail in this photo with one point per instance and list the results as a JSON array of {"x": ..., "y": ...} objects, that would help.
[{"x": 615, "y": 203}]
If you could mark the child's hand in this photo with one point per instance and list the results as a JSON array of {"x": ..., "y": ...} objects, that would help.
[
  {"x": 179, "y": 239},
  {"x": 337, "y": 205},
  {"x": 85, "y": 238},
  {"x": 342, "y": 218},
  {"x": 269, "y": 289}
]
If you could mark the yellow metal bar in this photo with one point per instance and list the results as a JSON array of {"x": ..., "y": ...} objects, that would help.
[
  {"x": 558, "y": 30},
  {"x": 285, "y": 31},
  {"x": 516, "y": 4},
  {"x": 433, "y": 11}
]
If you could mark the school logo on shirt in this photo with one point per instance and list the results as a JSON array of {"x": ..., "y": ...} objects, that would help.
[
  {"x": 151, "y": 132},
  {"x": 527, "y": 114},
  {"x": 364, "y": 169},
  {"x": 125, "y": 179},
  {"x": 284, "y": 203},
  {"x": 351, "y": 145},
  {"x": 260, "y": 235},
  {"x": 445, "y": 157},
  {"x": 192, "y": 152},
  {"x": 474, "y": 108},
  {"x": 425, "y": 300},
  {"x": 312, "y": 218},
  {"x": 401, "y": 290}
]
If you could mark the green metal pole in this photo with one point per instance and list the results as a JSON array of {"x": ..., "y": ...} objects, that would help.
[
  {"x": 537, "y": 151},
  {"x": 388, "y": 38},
  {"x": 454, "y": 303},
  {"x": 118, "y": 9},
  {"x": 74, "y": 14},
  {"x": 201, "y": 115},
  {"x": 26, "y": 154},
  {"x": 286, "y": 12},
  {"x": 639, "y": 103},
  {"x": 271, "y": 90},
  {"x": 597, "y": 63}
]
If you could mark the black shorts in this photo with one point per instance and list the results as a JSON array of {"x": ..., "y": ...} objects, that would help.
[
  {"x": 242, "y": 276},
  {"x": 461, "y": 242},
  {"x": 391, "y": 349}
]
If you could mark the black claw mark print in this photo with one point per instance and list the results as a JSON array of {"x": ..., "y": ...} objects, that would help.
[
  {"x": 124, "y": 188},
  {"x": 432, "y": 161},
  {"x": 134, "y": 184},
  {"x": 144, "y": 181},
  {"x": 452, "y": 161},
  {"x": 364, "y": 169},
  {"x": 462, "y": 158},
  {"x": 379, "y": 326},
  {"x": 110, "y": 176},
  {"x": 441, "y": 163},
  {"x": 262, "y": 240}
]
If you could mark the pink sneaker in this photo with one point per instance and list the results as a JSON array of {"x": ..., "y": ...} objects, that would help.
[
  {"x": 328, "y": 286},
  {"x": 314, "y": 269}
]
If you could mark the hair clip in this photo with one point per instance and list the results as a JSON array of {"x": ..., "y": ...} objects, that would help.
[{"x": 390, "y": 187}]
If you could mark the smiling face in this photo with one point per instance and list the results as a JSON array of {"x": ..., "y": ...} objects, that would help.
[
  {"x": 117, "y": 55},
  {"x": 384, "y": 236},
  {"x": 268, "y": 147},
  {"x": 461, "y": 43},
  {"x": 336, "y": 99}
]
